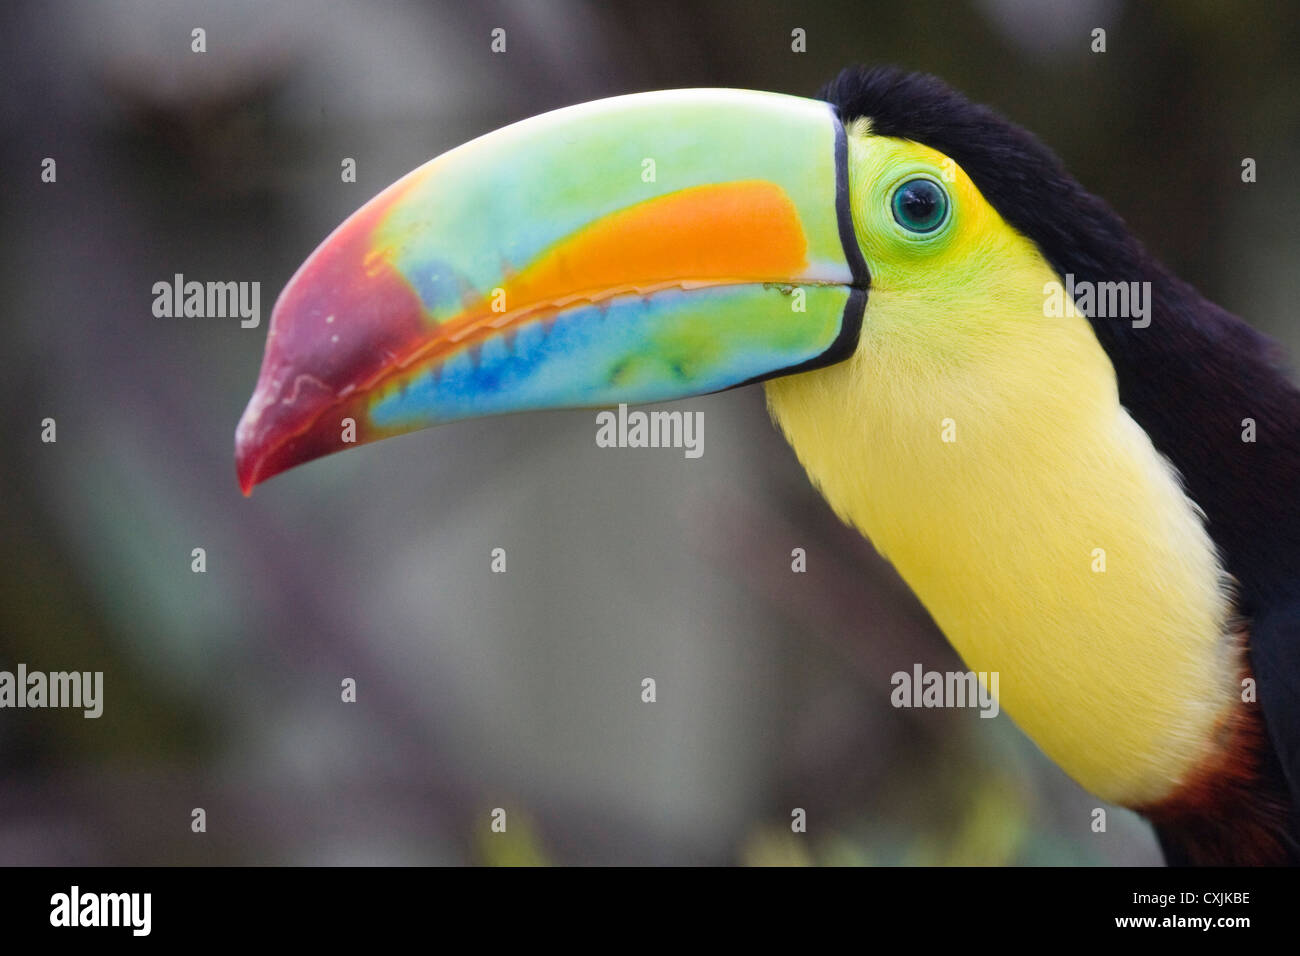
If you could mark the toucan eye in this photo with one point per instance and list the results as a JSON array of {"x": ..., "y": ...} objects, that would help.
[{"x": 920, "y": 205}]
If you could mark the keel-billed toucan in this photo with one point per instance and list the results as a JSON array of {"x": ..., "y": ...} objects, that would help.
[{"x": 885, "y": 258}]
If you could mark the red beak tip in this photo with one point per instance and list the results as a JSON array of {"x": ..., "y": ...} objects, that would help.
[
  {"x": 245, "y": 473},
  {"x": 249, "y": 463}
]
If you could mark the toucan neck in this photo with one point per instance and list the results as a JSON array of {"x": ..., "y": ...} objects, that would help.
[{"x": 1044, "y": 533}]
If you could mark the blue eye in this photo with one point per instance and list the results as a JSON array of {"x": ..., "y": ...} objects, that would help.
[{"x": 920, "y": 205}]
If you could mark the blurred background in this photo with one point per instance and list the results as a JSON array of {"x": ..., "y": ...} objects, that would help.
[{"x": 519, "y": 690}]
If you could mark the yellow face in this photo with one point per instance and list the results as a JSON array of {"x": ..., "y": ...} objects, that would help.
[
  {"x": 946, "y": 290},
  {"x": 978, "y": 441}
]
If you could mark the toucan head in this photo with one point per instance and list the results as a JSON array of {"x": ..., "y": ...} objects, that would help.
[{"x": 635, "y": 249}]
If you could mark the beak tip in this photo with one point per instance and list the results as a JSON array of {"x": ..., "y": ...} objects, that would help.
[
  {"x": 273, "y": 436},
  {"x": 251, "y": 448},
  {"x": 247, "y": 465}
]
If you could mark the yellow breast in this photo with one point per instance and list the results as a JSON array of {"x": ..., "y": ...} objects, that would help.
[{"x": 985, "y": 453}]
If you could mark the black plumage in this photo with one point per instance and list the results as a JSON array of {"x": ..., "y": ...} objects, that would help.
[{"x": 1190, "y": 379}]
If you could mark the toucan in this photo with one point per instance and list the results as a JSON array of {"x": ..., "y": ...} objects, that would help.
[{"x": 1088, "y": 473}]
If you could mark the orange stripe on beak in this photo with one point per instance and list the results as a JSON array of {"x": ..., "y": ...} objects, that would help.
[{"x": 721, "y": 234}]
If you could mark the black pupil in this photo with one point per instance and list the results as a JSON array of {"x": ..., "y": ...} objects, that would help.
[{"x": 920, "y": 202}]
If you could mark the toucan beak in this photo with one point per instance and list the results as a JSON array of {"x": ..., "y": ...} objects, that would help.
[{"x": 635, "y": 249}]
